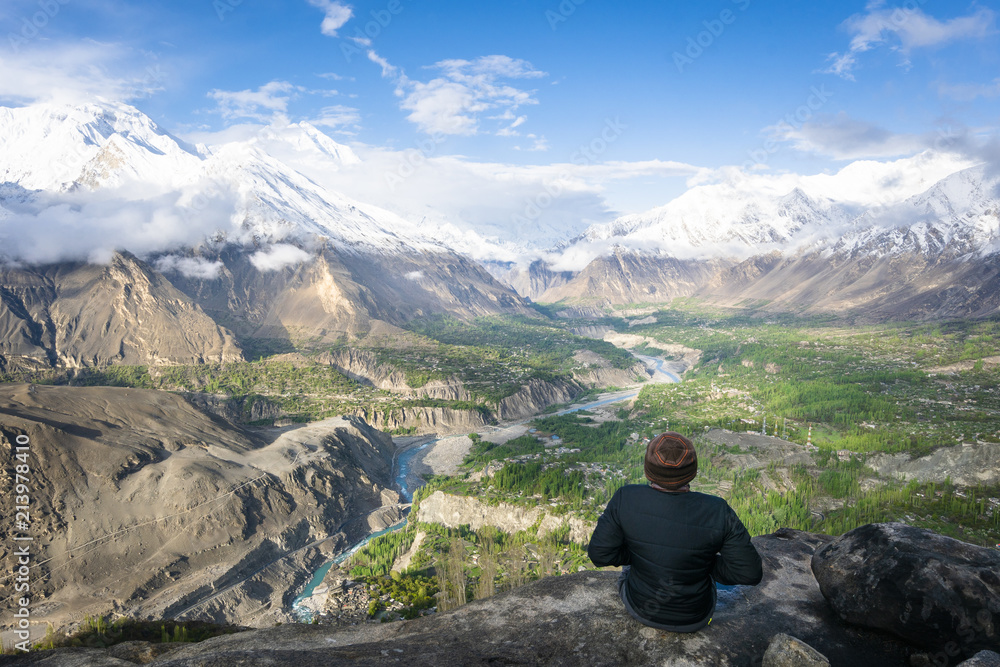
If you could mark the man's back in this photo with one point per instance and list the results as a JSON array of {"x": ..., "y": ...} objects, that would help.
[{"x": 676, "y": 543}]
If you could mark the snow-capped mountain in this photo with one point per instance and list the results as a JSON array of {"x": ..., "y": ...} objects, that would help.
[
  {"x": 744, "y": 216},
  {"x": 54, "y": 147},
  {"x": 903, "y": 250},
  {"x": 959, "y": 215},
  {"x": 131, "y": 246},
  {"x": 116, "y": 150},
  {"x": 723, "y": 219}
]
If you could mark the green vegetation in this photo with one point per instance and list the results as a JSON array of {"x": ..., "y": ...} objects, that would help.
[
  {"x": 97, "y": 632},
  {"x": 849, "y": 391}
]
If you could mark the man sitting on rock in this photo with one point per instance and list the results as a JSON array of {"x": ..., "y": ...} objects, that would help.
[{"x": 674, "y": 544}]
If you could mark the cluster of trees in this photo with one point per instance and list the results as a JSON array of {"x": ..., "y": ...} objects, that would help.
[{"x": 375, "y": 559}]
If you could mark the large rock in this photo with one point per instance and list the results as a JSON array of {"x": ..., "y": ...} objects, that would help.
[
  {"x": 576, "y": 619},
  {"x": 787, "y": 651},
  {"x": 983, "y": 659},
  {"x": 931, "y": 590}
]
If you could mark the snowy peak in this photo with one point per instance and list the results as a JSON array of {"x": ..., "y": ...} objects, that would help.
[
  {"x": 306, "y": 143},
  {"x": 50, "y": 147},
  {"x": 720, "y": 217},
  {"x": 959, "y": 215},
  {"x": 738, "y": 219},
  {"x": 52, "y": 155},
  {"x": 276, "y": 202}
]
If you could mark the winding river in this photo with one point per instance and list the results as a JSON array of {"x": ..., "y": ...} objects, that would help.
[{"x": 404, "y": 461}]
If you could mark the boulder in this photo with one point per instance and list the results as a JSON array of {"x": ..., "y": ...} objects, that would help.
[
  {"x": 982, "y": 659},
  {"x": 787, "y": 651},
  {"x": 933, "y": 591}
]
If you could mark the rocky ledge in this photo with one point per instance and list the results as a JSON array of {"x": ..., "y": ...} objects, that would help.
[{"x": 577, "y": 619}]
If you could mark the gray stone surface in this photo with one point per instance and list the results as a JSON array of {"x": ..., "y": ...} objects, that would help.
[
  {"x": 932, "y": 591},
  {"x": 67, "y": 657},
  {"x": 575, "y": 620},
  {"x": 983, "y": 659},
  {"x": 787, "y": 651}
]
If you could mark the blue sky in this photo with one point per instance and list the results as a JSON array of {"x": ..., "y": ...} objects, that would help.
[{"x": 662, "y": 91}]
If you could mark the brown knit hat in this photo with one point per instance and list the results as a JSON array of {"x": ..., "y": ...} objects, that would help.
[{"x": 671, "y": 461}]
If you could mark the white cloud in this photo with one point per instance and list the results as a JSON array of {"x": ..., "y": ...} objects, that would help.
[
  {"x": 844, "y": 138},
  {"x": 453, "y": 104},
  {"x": 388, "y": 70},
  {"x": 272, "y": 97},
  {"x": 278, "y": 256},
  {"x": 190, "y": 267},
  {"x": 968, "y": 92},
  {"x": 337, "y": 116},
  {"x": 904, "y": 29},
  {"x": 78, "y": 72},
  {"x": 414, "y": 275},
  {"x": 91, "y": 225},
  {"x": 337, "y": 14}
]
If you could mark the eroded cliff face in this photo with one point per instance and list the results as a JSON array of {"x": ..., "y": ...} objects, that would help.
[
  {"x": 143, "y": 505},
  {"x": 529, "y": 401},
  {"x": 453, "y": 511},
  {"x": 535, "y": 397},
  {"x": 595, "y": 371},
  {"x": 362, "y": 366},
  {"x": 425, "y": 420}
]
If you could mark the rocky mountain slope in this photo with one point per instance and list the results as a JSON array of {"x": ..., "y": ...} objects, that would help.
[
  {"x": 143, "y": 505},
  {"x": 330, "y": 293},
  {"x": 75, "y": 314}
]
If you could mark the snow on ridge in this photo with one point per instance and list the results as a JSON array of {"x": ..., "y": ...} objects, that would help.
[
  {"x": 114, "y": 150},
  {"x": 957, "y": 212}
]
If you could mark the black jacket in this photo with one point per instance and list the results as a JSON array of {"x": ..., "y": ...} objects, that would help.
[{"x": 677, "y": 544}]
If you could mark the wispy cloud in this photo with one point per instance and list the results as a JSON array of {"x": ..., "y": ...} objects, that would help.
[
  {"x": 455, "y": 102},
  {"x": 844, "y": 138},
  {"x": 278, "y": 256},
  {"x": 904, "y": 29},
  {"x": 967, "y": 92},
  {"x": 337, "y": 116},
  {"x": 337, "y": 14},
  {"x": 78, "y": 72},
  {"x": 91, "y": 225},
  {"x": 270, "y": 99}
]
